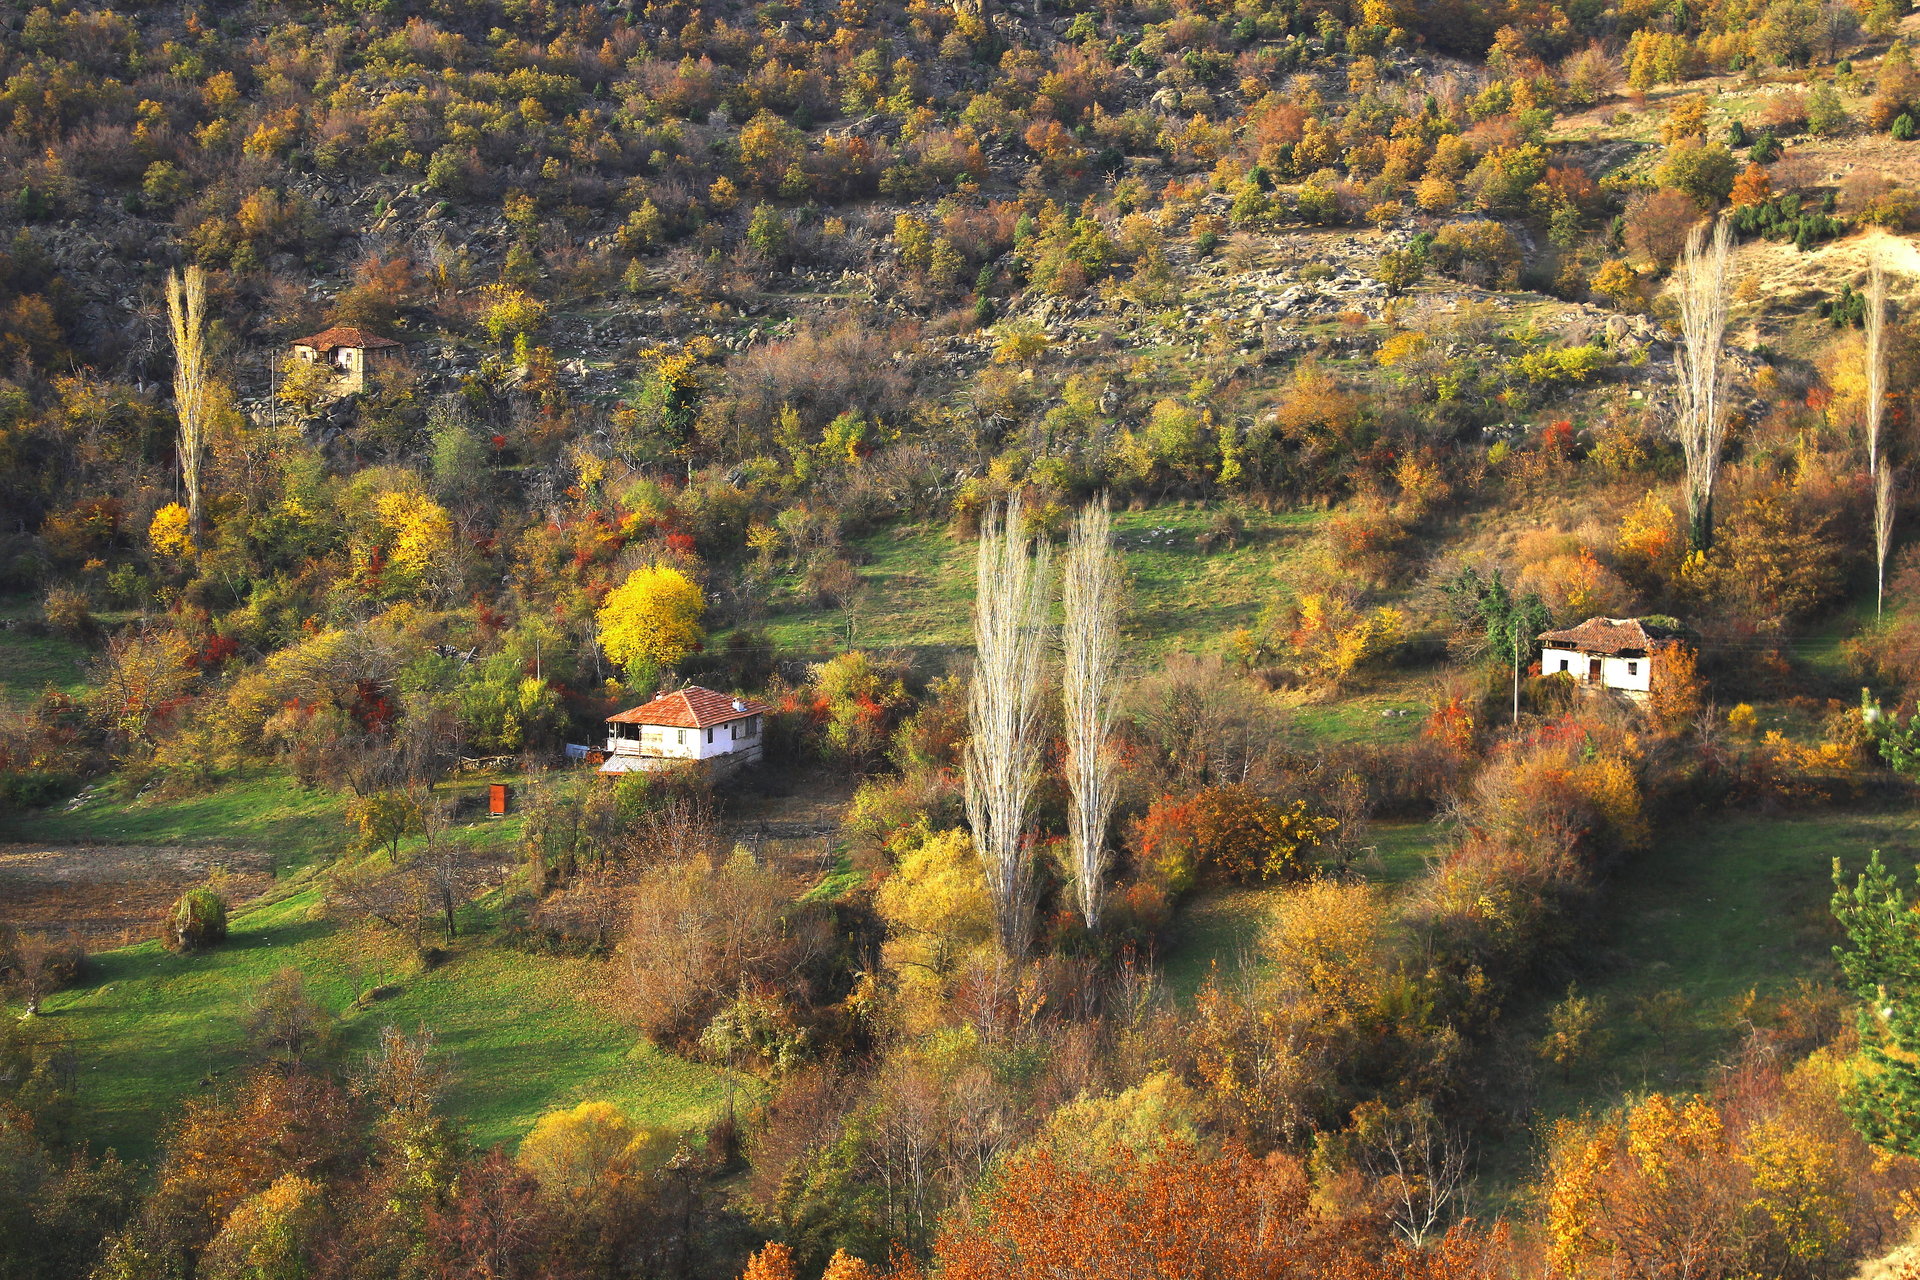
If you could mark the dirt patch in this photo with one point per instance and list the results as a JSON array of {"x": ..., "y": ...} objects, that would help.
[
  {"x": 111, "y": 895},
  {"x": 790, "y": 816}
]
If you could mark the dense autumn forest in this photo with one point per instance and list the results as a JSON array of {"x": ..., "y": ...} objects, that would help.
[{"x": 1146, "y": 484}]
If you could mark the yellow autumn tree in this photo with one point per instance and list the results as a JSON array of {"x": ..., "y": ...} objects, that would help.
[
  {"x": 1649, "y": 545},
  {"x": 305, "y": 386},
  {"x": 269, "y": 1234},
  {"x": 1645, "y": 1193},
  {"x": 579, "y": 1149},
  {"x": 171, "y": 533},
  {"x": 1678, "y": 693},
  {"x": 1575, "y": 585},
  {"x": 1617, "y": 282},
  {"x": 416, "y": 535},
  {"x": 936, "y": 911},
  {"x": 652, "y": 620},
  {"x": 844, "y": 1266},
  {"x": 1766, "y": 1179},
  {"x": 1327, "y": 945}
]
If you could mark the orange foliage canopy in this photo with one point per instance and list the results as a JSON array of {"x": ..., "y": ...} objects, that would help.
[{"x": 1177, "y": 1213}]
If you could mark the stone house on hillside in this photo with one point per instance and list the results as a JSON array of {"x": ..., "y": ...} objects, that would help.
[
  {"x": 351, "y": 353},
  {"x": 1615, "y": 655}
]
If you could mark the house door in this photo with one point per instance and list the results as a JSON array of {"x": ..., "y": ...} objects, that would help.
[{"x": 1593, "y": 671}]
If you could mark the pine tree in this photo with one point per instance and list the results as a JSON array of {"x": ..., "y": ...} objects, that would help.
[{"x": 1881, "y": 965}]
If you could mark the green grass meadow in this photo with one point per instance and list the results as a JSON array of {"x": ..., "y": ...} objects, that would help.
[
  {"x": 30, "y": 665},
  {"x": 1719, "y": 908},
  {"x": 522, "y": 1033},
  {"x": 1220, "y": 927},
  {"x": 268, "y": 813},
  {"x": 1697, "y": 940},
  {"x": 918, "y": 584}
]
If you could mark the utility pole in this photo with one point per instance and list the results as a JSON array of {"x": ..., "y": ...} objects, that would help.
[{"x": 1516, "y": 669}]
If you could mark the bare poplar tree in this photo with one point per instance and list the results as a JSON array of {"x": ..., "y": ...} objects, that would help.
[
  {"x": 1701, "y": 371},
  {"x": 1091, "y": 640},
  {"x": 1882, "y": 533},
  {"x": 1004, "y": 745},
  {"x": 187, "y": 312},
  {"x": 1876, "y": 364}
]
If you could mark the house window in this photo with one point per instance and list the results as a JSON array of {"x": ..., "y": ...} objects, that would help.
[
  {"x": 709, "y": 737},
  {"x": 1633, "y": 668},
  {"x": 680, "y": 737},
  {"x": 1563, "y": 664}
]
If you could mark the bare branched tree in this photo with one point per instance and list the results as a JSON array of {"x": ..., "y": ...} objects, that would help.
[
  {"x": 187, "y": 312},
  {"x": 1424, "y": 1168},
  {"x": 1091, "y": 640},
  {"x": 1876, "y": 364},
  {"x": 1004, "y": 747},
  {"x": 1882, "y": 533},
  {"x": 1701, "y": 370}
]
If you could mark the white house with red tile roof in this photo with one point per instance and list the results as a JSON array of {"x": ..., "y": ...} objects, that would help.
[
  {"x": 1612, "y": 654},
  {"x": 688, "y": 724}
]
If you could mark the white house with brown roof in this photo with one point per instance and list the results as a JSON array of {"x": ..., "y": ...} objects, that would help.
[
  {"x": 688, "y": 724},
  {"x": 351, "y": 353},
  {"x": 1615, "y": 655}
]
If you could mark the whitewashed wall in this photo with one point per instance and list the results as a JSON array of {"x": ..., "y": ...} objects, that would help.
[{"x": 1628, "y": 675}]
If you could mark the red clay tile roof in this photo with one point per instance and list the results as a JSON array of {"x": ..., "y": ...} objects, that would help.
[
  {"x": 691, "y": 708},
  {"x": 345, "y": 336},
  {"x": 1607, "y": 635}
]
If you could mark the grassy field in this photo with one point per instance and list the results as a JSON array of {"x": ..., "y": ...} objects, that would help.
[
  {"x": 522, "y": 1034},
  {"x": 1699, "y": 938},
  {"x": 918, "y": 584},
  {"x": 29, "y": 664},
  {"x": 1391, "y": 709},
  {"x": 1722, "y": 907},
  {"x": 266, "y": 812},
  {"x": 1222, "y": 926}
]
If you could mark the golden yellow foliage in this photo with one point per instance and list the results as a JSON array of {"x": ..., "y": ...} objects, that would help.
[
  {"x": 1400, "y": 348},
  {"x": 171, "y": 533},
  {"x": 844, "y": 1266},
  {"x": 1141, "y": 1119},
  {"x": 418, "y": 534},
  {"x": 1020, "y": 346},
  {"x": 1649, "y": 540},
  {"x": 268, "y": 1234},
  {"x": 935, "y": 907},
  {"x": 574, "y": 1151},
  {"x": 652, "y": 619},
  {"x": 1326, "y": 946},
  {"x": 1612, "y": 787},
  {"x": 1575, "y": 586},
  {"x": 1617, "y": 281},
  {"x": 775, "y": 1262},
  {"x": 1333, "y": 640}
]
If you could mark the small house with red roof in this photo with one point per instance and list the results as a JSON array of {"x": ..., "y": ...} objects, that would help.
[
  {"x": 1615, "y": 655},
  {"x": 351, "y": 353},
  {"x": 688, "y": 724}
]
